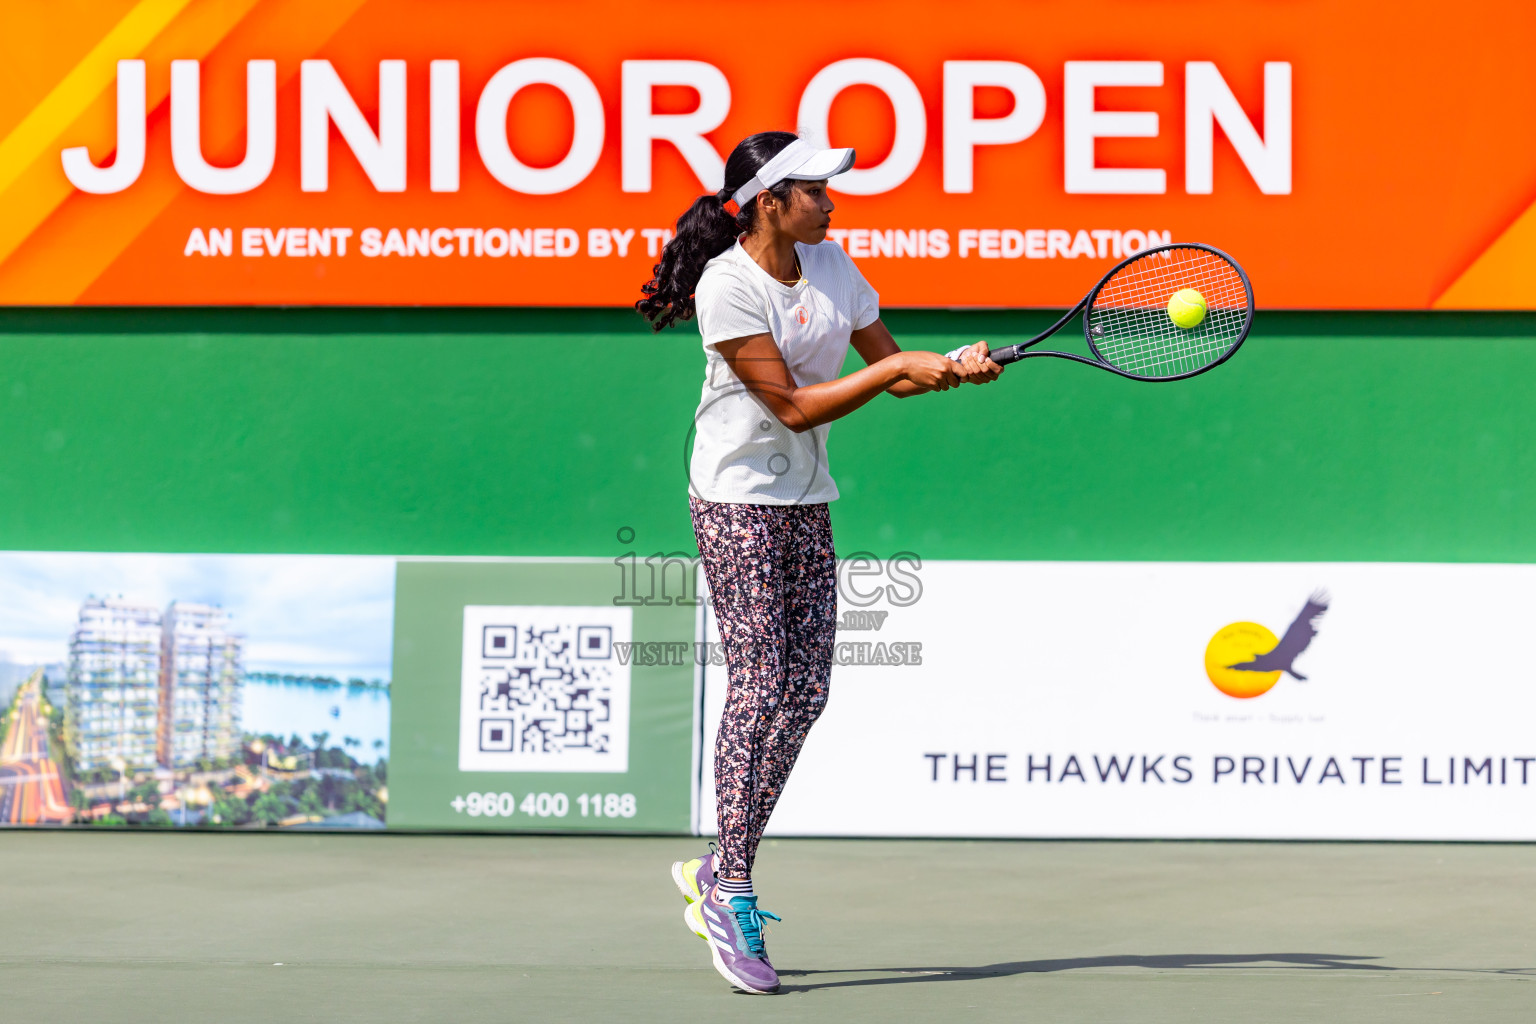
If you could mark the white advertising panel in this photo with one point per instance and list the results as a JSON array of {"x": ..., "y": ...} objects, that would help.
[{"x": 1218, "y": 700}]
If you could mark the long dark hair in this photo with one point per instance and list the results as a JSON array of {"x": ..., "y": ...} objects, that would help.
[{"x": 706, "y": 230}]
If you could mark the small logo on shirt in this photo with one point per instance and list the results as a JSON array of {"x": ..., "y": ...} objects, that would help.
[{"x": 802, "y": 315}]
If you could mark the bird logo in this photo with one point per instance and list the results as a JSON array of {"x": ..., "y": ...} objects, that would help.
[{"x": 1246, "y": 660}]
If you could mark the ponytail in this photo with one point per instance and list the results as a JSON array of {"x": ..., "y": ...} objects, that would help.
[
  {"x": 703, "y": 232},
  {"x": 707, "y": 229}
]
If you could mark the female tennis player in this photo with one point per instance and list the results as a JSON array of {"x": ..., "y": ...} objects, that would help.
[{"x": 778, "y": 305}]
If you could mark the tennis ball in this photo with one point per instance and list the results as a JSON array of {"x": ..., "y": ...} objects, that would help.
[{"x": 1186, "y": 307}]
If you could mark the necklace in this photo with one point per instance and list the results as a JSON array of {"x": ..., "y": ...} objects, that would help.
[{"x": 799, "y": 275}]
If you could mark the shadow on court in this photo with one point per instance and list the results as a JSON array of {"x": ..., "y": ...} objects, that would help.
[{"x": 1160, "y": 962}]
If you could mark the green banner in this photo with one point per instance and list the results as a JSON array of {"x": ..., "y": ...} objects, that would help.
[
  {"x": 1330, "y": 437},
  {"x": 529, "y": 695}
]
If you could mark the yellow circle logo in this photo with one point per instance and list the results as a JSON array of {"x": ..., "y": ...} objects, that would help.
[{"x": 1232, "y": 645}]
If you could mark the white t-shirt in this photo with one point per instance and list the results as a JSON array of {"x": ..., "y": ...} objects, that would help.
[{"x": 741, "y": 452}]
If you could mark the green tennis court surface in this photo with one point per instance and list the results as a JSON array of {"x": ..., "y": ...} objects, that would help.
[{"x": 146, "y": 927}]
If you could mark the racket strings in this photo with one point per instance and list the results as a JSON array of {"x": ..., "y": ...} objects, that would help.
[{"x": 1129, "y": 325}]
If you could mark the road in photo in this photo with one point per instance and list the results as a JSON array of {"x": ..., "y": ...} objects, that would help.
[{"x": 31, "y": 788}]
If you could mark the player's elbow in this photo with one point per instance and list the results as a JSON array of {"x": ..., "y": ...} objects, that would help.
[
  {"x": 801, "y": 424},
  {"x": 792, "y": 416}
]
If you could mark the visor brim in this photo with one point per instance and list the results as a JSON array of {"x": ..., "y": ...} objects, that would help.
[{"x": 823, "y": 164}]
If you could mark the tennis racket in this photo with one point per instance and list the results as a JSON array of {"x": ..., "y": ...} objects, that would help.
[{"x": 1129, "y": 323}]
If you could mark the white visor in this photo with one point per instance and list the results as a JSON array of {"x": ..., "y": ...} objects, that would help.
[{"x": 798, "y": 161}]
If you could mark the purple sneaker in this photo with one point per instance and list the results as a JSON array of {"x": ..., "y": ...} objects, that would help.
[
  {"x": 735, "y": 937},
  {"x": 694, "y": 876}
]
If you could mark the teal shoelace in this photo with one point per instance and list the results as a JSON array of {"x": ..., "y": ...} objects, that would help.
[{"x": 750, "y": 920}]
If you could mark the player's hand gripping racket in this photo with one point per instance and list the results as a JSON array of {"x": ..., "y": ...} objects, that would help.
[{"x": 1164, "y": 314}]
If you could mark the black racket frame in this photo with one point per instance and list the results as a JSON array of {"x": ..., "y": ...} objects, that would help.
[{"x": 1013, "y": 353}]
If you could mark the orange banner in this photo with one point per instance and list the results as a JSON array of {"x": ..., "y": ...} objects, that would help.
[{"x": 397, "y": 152}]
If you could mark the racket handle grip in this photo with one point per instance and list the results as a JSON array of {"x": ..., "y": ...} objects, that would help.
[{"x": 1006, "y": 354}]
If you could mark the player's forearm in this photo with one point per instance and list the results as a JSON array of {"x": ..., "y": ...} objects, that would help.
[
  {"x": 811, "y": 406},
  {"x": 906, "y": 389}
]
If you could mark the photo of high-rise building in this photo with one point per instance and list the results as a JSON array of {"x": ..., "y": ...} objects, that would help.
[
  {"x": 200, "y": 678},
  {"x": 113, "y": 690},
  {"x": 148, "y": 689}
]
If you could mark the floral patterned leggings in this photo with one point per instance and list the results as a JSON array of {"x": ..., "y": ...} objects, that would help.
[{"x": 772, "y": 575}]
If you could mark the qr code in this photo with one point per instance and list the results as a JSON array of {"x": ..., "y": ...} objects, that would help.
[{"x": 544, "y": 689}]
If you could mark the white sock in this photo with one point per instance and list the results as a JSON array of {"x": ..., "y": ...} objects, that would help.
[{"x": 727, "y": 889}]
